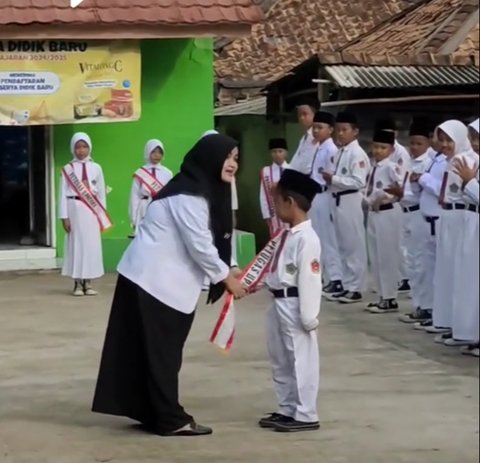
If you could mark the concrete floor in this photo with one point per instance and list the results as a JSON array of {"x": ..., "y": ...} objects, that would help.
[{"x": 388, "y": 394}]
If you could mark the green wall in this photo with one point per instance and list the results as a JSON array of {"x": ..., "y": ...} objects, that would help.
[{"x": 177, "y": 95}]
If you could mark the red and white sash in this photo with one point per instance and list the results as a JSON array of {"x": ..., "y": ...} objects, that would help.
[
  {"x": 275, "y": 224},
  {"x": 87, "y": 197},
  {"x": 253, "y": 279},
  {"x": 148, "y": 181}
]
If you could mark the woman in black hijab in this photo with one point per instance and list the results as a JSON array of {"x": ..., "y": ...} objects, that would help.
[{"x": 185, "y": 235}]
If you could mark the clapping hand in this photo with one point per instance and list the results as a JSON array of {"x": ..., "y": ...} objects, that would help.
[{"x": 462, "y": 169}]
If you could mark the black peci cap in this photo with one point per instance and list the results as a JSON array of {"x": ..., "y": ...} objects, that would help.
[
  {"x": 299, "y": 183},
  {"x": 277, "y": 143},
  {"x": 324, "y": 117},
  {"x": 346, "y": 118},
  {"x": 384, "y": 136}
]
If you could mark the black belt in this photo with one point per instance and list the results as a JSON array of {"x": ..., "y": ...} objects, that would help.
[
  {"x": 411, "y": 209},
  {"x": 383, "y": 207},
  {"x": 460, "y": 207},
  {"x": 322, "y": 188},
  {"x": 338, "y": 195},
  {"x": 432, "y": 221},
  {"x": 284, "y": 293},
  {"x": 74, "y": 197}
]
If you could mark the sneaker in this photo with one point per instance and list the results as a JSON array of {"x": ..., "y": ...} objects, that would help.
[
  {"x": 297, "y": 426},
  {"x": 78, "y": 289},
  {"x": 273, "y": 419},
  {"x": 452, "y": 342},
  {"x": 334, "y": 287},
  {"x": 441, "y": 338},
  {"x": 386, "y": 306},
  {"x": 437, "y": 330},
  {"x": 418, "y": 316},
  {"x": 472, "y": 349},
  {"x": 88, "y": 290},
  {"x": 404, "y": 287},
  {"x": 350, "y": 297},
  {"x": 336, "y": 296},
  {"x": 422, "y": 326}
]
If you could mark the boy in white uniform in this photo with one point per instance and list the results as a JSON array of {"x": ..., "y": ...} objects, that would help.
[
  {"x": 295, "y": 282},
  {"x": 384, "y": 223},
  {"x": 269, "y": 177}
]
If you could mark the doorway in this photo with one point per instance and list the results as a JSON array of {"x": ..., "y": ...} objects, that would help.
[{"x": 25, "y": 193}]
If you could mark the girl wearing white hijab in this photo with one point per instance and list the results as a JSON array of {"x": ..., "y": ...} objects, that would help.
[
  {"x": 466, "y": 314},
  {"x": 83, "y": 260},
  {"x": 148, "y": 181},
  {"x": 449, "y": 268}
]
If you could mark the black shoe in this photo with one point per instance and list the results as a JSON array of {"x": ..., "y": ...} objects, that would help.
[
  {"x": 192, "y": 429},
  {"x": 350, "y": 297},
  {"x": 297, "y": 426},
  {"x": 419, "y": 315},
  {"x": 273, "y": 419},
  {"x": 334, "y": 287},
  {"x": 404, "y": 287},
  {"x": 386, "y": 306},
  {"x": 335, "y": 297},
  {"x": 420, "y": 326}
]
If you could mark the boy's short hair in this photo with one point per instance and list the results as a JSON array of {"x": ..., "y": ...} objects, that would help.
[{"x": 301, "y": 201}]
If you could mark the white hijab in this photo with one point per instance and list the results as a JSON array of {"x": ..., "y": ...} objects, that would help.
[
  {"x": 80, "y": 136},
  {"x": 458, "y": 132},
  {"x": 474, "y": 125},
  {"x": 150, "y": 146}
]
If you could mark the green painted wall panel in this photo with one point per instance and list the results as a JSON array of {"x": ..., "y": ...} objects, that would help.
[{"x": 177, "y": 95}]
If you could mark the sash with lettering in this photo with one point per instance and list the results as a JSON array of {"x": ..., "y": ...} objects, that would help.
[
  {"x": 253, "y": 279},
  {"x": 148, "y": 181},
  {"x": 87, "y": 197},
  {"x": 274, "y": 223}
]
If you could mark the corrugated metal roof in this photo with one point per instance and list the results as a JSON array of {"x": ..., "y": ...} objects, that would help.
[
  {"x": 403, "y": 76},
  {"x": 256, "y": 107}
]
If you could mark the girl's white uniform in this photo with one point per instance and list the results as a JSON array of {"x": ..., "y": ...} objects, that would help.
[
  {"x": 141, "y": 196},
  {"x": 83, "y": 258}
]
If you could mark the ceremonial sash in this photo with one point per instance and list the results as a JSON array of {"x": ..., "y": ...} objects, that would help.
[
  {"x": 274, "y": 222},
  {"x": 252, "y": 278},
  {"x": 87, "y": 197},
  {"x": 148, "y": 181}
]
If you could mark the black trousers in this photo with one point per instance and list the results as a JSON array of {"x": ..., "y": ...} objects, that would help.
[{"x": 141, "y": 360}]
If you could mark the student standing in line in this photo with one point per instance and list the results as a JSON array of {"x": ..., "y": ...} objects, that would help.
[
  {"x": 351, "y": 166},
  {"x": 269, "y": 177},
  {"x": 465, "y": 326},
  {"x": 383, "y": 223},
  {"x": 322, "y": 208},
  {"x": 295, "y": 282},
  {"x": 185, "y": 234},
  {"x": 417, "y": 230},
  {"x": 148, "y": 181},
  {"x": 303, "y": 157},
  {"x": 82, "y": 209}
]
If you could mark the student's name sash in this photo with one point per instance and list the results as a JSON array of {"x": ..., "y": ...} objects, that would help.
[
  {"x": 148, "y": 181},
  {"x": 87, "y": 197},
  {"x": 253, "y": 279}
]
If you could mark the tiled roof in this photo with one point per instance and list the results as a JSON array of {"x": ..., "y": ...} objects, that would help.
[
  {"x": 440, "y": 32},
  {"x": 295, "y": 30},
  {"x": 167, "y": 12}
]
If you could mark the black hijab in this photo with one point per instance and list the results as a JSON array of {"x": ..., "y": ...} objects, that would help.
[{"x": 200, "y": 175}]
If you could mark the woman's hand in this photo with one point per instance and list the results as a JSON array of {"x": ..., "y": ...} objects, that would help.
[
  {"x": 234, "y": 287},
  {"x": 463, "y": 171},
  {"x": 66, "y": 225},
  {"x": 236, "y": 272}
]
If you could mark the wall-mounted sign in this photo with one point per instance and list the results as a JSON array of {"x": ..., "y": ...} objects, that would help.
[{"x": 45, "y": 82}]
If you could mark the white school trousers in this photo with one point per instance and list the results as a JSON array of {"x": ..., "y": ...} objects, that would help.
[
  {"x": 349, "y": 220},
  {"x": 322, "y": 222},
  {"x": 295, "y": 361},
  {"x": 428, "y": 234}
]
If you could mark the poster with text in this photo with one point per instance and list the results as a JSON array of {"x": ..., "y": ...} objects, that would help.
[{"x": 46, "y": 82}]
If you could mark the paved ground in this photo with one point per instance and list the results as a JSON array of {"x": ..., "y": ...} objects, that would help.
[{"x": 388, "y": 394}]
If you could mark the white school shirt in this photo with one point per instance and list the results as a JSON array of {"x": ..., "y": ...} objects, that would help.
[
  {"x": 400, "y": 156},
  {"x": 453, "y": 192},
  {"x": 383, "y": 174},
  {"x": 274, "y": 172},
  {"x": 323, "y": 160},
  {"x": 412, "y": 191},
  {"x": 471, "y": 191},
  {"x": 140, "y": 193},
  {"x": 302, "y": 160},
  {"x": 431, "y": 183},
  {"x": 96, "y": 183},
  {"x": 351, "y": 168},
  {"x": 296, "y": 264},
  {"x": 173, "y": 251}
]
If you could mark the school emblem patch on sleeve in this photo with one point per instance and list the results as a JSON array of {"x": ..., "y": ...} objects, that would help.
[
  {"x": 315, "y": 266},
  {"x": 291, "y": 269}
]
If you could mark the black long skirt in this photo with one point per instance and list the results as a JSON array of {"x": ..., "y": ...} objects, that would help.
[{"x": 141, "y": 360}]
